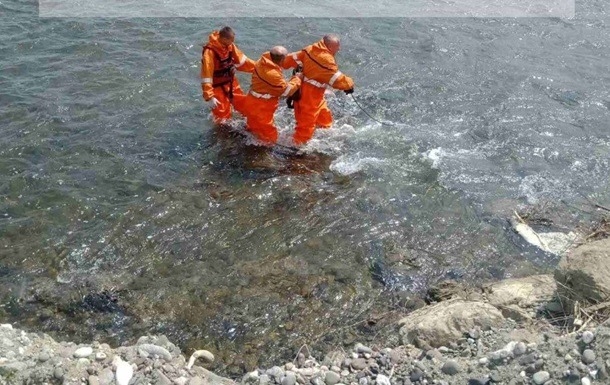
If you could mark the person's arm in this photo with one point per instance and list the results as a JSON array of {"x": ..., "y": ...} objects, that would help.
[
  {"x": 242, "y": 62},
  {"x": 291, "y": 86},
  {"x": 207, "y": 74},
  {"x": 293, "y": 60},
  {"x": 335, "y": 78}
]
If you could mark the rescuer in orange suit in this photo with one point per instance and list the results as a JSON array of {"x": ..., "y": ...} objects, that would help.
[
  {"x": 320, "y": 71},
  {"x": 220, "y": 59},
  {"x": 268, "y": 86}
]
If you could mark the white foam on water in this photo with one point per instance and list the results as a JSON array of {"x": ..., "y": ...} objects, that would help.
[
  {"x": 350, "y": 164},
  {"x": 435, "y": 155}
]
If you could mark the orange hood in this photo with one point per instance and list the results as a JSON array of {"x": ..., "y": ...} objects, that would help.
[
  {"x": 319, "y": 47},
  {"x": 214, "y": 43}
]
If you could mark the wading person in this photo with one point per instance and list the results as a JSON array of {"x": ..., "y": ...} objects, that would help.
[
  {"x": 268, "y": 86},
  {"x": 320, "y": 71},
  {"x": 220, "y": 59}
]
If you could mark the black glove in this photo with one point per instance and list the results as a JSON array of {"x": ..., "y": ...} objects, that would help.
[
  {"x": 297, "y": 70},
  {"x": 350, "y": 91},
  {"x": 293, "y": 98}
]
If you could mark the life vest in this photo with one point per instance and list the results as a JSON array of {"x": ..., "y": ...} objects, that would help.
[{"x": 224, "y": 68}]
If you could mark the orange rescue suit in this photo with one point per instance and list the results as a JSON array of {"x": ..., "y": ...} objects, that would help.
[
  {"x": 218, "y": 65},
  {"x": 320, "y": 71},
  {"x": 268, "y": 86}
]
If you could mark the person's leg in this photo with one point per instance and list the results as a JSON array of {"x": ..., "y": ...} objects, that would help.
[
  {"x": 325, "y": 117},
  {"x": 306, "y": 112},
  {"x": 260, "y": 122},
  {"x": 238, "y": 97}
]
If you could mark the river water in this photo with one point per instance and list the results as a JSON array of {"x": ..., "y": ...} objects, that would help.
[{"x": 123, "y": 211}]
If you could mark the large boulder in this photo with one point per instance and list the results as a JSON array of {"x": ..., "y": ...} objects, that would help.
[
  {"x": 584, "y": 273},
  {"x": 520, "y": 298},
  {"x": 447, "y": 321}
]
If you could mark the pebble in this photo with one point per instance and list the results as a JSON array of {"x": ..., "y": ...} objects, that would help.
[
  {"x": 358, "y": 363},
  {"x": 587, "y": 337},
  {"x": 483, "y": 361},
  {"x": 180, "y": 381},
  {"x": 83, "y": 352},
  {"x": 541, "y": 377},
  {"x": 519, "y": 349},
  {"x": 289, "y": 366},
  {"x": 588, "y": 356},
  {"x": 478, "y": 381},
  {"x": 43, "y": 357},
  {"x": 93, "y": 380},
  {"x": 585, "y": 381},
  {"x": 359, "y": 348},
  {"x": 106, "y": 377},
  {"x": 495, "y": 376},
  {"x": 451, "y": 367},
  {"x": 382, "y": 380},
  {"x": 58, "y": 373},
  {"x": 289, "y": 379},
  {"x": 527, "y": 359},
  {"x": 332, "y": 378},
  {"x": 363, "y": 381},
  {"x": 100, "y": 356},
  {"x": 416, "y": 375}
]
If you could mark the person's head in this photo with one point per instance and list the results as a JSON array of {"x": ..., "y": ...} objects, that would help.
[
  {"x": 278, "y": 54},
  {"x": 332, "y": 42},
  {"x": 226, "y": 36}
]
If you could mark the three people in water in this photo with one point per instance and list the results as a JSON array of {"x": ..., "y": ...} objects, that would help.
[{"x": 315, "y": 71}]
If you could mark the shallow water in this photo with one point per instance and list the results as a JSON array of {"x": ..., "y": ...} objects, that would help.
[{"x": 125, "y": 212}]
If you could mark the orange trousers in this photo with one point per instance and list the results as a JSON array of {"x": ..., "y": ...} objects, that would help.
[
  {"x": 259, "y": 117},
  {"x": 310, "y": 111},
  {"x": 224, "y": 110}
]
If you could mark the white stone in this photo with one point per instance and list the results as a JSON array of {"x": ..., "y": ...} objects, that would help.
[
  {"x": 124, "y": 371},
  {"x": 585, "y": 381},
  {"x": 6, "y": 326},
  {"x": 587, "y": 337},
  {"x": 83, "y": 352},
  {"x": 382, "y": 380}
]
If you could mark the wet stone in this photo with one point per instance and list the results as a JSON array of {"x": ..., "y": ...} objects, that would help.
[
  {"x": 358, "y": 364},
  {"x": 451, "y": 367},
  {"x": 359, "y": 348},
  {"x": 58, "y": 373},
  {"x": 519, "y": 349},
  {"x": 527, "y": 359},
  {"x": 43, "y": 357},
  {"x": 416, "y": 375},
  {"x": 541, "y": 377},
  {"x": 478, "y": 381},
  {"x": 587, "y": 337},
  {"x": 332, "y": 378},
  {"x": 588, "y": 356},
  {"x": 289, "y": 379},
  {"x": 83, "y": 352}
]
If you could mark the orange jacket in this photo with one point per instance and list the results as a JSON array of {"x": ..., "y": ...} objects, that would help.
[
  {"x": 217, "y": 63},
  {"x": 268, "y": 81},
  {"x": 319, "y": 67}
]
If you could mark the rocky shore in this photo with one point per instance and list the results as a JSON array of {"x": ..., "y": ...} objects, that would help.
[{"x": 535, "y": 330}]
